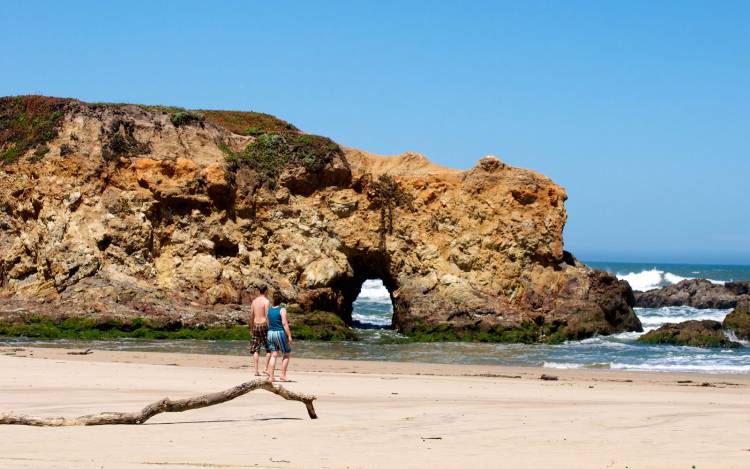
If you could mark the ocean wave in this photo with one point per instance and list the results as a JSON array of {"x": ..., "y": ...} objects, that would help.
[
  {"x": 682, "y": 364},
  {"x": 687, "y": 367},
  {"x": 573, "y": 366},
  {"x": 610, "y": 341},
  {"x": 645, "y": 280},
  {"x": 671, "y": 278},
  {"x": 371, "y": 320},
  {"x": 374, "y": 290},
  {"x": 562, "y": 366},
  {"x": 652, "y": 279},
  {"x": 652, "y": 318},
  {"x": 625, "y": 336},
  {"x": 732, "y": 335}
]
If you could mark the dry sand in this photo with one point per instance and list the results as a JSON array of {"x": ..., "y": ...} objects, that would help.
[{"x": 372, "y": 414}]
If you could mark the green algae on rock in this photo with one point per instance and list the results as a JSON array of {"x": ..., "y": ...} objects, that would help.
[
  {"x": 694, "y": 333},
  {"x": 738, "y": 321},
  {"x": 316, "y": 325}
]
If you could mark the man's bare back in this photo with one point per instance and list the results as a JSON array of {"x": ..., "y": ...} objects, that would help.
[{"x": 259, "y": 309}]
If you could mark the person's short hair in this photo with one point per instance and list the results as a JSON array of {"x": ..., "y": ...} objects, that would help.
[
  {"x": 263, "y": 289},
  {"x": 276, "y": 298}
]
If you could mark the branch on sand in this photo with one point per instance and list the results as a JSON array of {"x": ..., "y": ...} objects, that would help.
[{"x": 163, "y": 405}]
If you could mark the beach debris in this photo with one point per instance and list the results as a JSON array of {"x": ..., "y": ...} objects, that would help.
[
  {"x": 548, "y": 378},
  {"x": 82, "y": 352},
  {"x": 684, "y": 381},
  {"x": 493, "y": 375},
  {"x": 163, "y": 405},
  {"x": 279, "y": 460},
  {"x": 431, "y": 438}
]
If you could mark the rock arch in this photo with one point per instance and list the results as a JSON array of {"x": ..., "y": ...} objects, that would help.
[
  {"x": 365, "y": 266},
  {"x": 174, "y": 231}
]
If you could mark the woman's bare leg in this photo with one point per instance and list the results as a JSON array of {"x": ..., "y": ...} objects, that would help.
[
  {"x": 272, "y": 365},
  {"x": 284, "y": 365},
  {"x": 268, "y": 360}
]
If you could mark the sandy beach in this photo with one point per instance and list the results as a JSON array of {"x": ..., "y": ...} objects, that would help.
[{"x": 372, "y": 414}]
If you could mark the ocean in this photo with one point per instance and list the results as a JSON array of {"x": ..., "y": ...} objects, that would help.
[{"x": 373, "y": 313}]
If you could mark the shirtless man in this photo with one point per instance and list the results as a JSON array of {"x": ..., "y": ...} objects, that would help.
[{"x": 259, "y": 326}]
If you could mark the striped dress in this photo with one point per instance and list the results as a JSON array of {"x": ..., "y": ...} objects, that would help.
[{"x": 277, "y": 339}]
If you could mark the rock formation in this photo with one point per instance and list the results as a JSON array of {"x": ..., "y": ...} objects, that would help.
[
  {"x": 123, "y": 211},
  {"x": 698, "y": 293},
  {"x": 738, "y": 321},
  {"x": 705, "y": 333}
]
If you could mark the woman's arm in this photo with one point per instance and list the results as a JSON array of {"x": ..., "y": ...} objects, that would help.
[{"x": 286, "y": 325}]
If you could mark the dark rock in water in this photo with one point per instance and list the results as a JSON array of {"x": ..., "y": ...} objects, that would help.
[
  {"x": 739, "y": 288},
  {"x": 739, "y": 320},
  {"x": 704, "y": 333},
  {"x": 698, "y": 293}
]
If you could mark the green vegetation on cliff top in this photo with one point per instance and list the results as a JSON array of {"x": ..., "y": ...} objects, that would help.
[
  {"x": 247, "y": 123},
  {"x": 28, "y": 122},
  {"x": 271, "y": 152}
]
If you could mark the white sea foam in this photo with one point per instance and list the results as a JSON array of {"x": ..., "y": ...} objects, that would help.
[
  {"x": 652, "y": 318},
  {"x": 696, "y": 367},
  {"x": 562, "y": 366},
  {"x": 644, "y": 280},
  {"x": 574, "y": 366},
  {"x": 654, "y": 278},
  {"x": 610, "y": 341},
  {"x": 375, "y": 320},
  {"x": 674, "y": 364},
  {"x": 731, "y": 335},
  {"x": 626, "y": 336},
  {"x": 674, "y": 278}
]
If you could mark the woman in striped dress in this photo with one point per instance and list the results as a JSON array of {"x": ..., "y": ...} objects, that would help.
[{"x": 279, "y": 337}]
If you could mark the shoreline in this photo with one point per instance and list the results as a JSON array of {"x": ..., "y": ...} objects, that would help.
[
  {"x": 371, "y": 415},
  {"x": 618, "y": 354},
  {"x": 323, "y": 365}
]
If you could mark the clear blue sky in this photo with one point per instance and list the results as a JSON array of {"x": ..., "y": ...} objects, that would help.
[{"x": 640, "y": 109}]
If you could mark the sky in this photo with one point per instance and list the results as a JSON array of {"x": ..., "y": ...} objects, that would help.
[{"x": 640, "y": 109}]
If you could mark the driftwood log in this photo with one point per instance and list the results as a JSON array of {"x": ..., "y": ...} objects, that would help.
[{"x": 163, "y": 405}]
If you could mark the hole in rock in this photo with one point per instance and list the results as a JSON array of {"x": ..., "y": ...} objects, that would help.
[
  {"x": 373, "y": 308},
  {"x": 225, "y": 248}
]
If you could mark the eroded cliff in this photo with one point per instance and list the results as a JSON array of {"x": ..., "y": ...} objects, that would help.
[{"x": 124, "y": 211}]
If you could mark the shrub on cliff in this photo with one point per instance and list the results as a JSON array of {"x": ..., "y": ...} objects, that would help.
[
  {"x": 272, "y": 152},
  {"x": 386, "y": 194},
  {"x": 181, "y": 118},
  {"x": 248, "y": 123},
  {"x": 28, "y": 122},
  {"x": 119, "y": 141}
]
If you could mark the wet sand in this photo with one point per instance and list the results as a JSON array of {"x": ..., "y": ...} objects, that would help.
[{"x": 372, "y": 414}]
